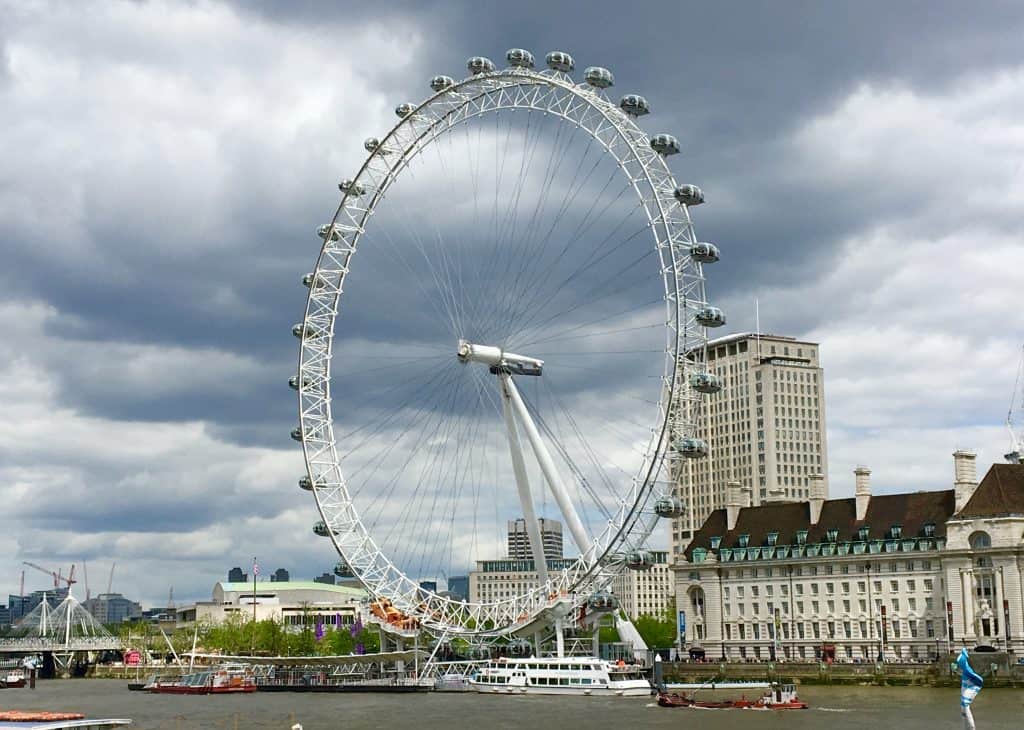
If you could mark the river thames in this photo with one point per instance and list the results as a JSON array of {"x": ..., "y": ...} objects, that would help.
[{"x": 834, "y": 708}]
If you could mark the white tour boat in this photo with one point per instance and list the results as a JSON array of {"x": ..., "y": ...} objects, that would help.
[{"x": 560, "y": 676}]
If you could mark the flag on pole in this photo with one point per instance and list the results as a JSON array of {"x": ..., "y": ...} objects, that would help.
[
  {"x": 970, "y": 681},
  {"x": 255, "y": 568}
]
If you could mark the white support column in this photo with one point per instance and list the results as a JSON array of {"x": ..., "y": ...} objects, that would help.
[
  {"x": 522, "y": 481},
  {"x": 560, "y": 637},
  {"x": 997, "y": 610},
  {"x": 968, "y": 581},
  {"x": 547, "y": 465}
]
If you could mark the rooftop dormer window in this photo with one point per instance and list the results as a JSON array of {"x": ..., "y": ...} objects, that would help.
[
  {"x": 863, "y": 532},
  {"x": 831, "y": 534},
  {"x": 744, "y": 540},
  {"x": 716, "y": 542},
  {"x": 929, "y": 529},
  {"x": 773, "y": 539},
  {"x": 801, "y": 537},
  {"x": 895, "y": 532}
]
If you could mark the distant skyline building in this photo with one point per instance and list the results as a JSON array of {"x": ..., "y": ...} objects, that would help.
[
  {"x": 325, "y": 578},
  {"x": 459, "y": 586},
  {"x": 519, "y": 539},
  {"x": 112, "y": 608},
  {"x": 235, "y": 575},
  {"x": 765, "y": 428},
  {"x": 279, "y": 576},
  {"x": 19, "y": 606}
]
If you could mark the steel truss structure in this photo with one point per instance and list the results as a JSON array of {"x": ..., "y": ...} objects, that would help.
[{"x": 455, "y": 103}]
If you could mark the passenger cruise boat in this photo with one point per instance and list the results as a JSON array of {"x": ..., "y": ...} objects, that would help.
[
  {"x": 227, "y": 679},
  {"x": 560, "y": 676}
]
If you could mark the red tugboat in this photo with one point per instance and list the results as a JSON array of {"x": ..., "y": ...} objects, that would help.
[{"x": 779, "y": 697}]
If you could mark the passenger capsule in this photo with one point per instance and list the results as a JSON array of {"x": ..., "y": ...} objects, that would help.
[
  {"x": 313, "y": 281},
  {"x": 302, "y": 330},
  {"x": 705, "y": 382},
  {"x": 711, "y": 317},
  {"x": 329, "y": 229},
  {"x": 692, "y": 448},
  {"x": 480, "y": 65},
  {"x": 297, "y": 434},
  {"x": 320, "y": 528},
  {"x": 342, "y": 570},
  {"x": 706, "y": 253},
  {"x": 440, "y": 83},
  {"x": 639, "y": 560},
  {"x": 560, "y": 61},
  {"x": 371, "y": 144},
  {"x": 665, "y": 144},
  {"x": 598, "y": 77},
  {"x": 306, "y": 484},
  {"x": 689, "y": 195},
  {"x": 519, "y": 58},
  {"x": 293, "y": 382},
  {"x": 404, "y": 110},
  {"x": 634, "y": 106},
  {"x": 351, "y": 187},
  {"x": 602, "y": 602},
  {"x": 669, "y": 507}
]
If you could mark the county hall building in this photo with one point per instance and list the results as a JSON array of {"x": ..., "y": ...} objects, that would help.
[{"x": 903, "y": 576}]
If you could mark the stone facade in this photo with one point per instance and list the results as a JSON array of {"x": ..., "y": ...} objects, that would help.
[
  {"x": 855, "y": 579},
  {"x": 646, "y": 592}
]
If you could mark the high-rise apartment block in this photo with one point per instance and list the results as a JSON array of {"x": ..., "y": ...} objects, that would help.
[
  {"x": 519, "y": 539},
  {"x": 765, "y": 428}
]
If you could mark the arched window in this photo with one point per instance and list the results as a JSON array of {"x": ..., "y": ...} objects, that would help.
[
  {"x": 697, "y": 599},
  {"x": 980, "y": 540}
]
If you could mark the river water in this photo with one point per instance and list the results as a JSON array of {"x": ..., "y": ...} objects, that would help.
[{"x": 833, "y": 708}]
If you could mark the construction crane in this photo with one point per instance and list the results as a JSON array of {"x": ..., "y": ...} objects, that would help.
[
  {"x": 1015, "y": 416},
  {"x": 57, "y": 577},
  {"x": 110, "y": 580},
  {"x": 85, "y": 573}
]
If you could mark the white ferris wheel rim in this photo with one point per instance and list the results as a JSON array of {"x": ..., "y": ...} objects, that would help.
[{"x": 551, "y": 92}]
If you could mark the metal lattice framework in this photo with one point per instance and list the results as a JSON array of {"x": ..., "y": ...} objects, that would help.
[{"x": 587, "y": 108}]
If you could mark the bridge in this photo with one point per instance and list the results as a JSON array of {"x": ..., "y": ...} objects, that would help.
[{"x": 37, "y": 644}]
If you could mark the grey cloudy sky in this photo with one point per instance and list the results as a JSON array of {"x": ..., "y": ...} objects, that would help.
[{"x": 164, "y": 164}]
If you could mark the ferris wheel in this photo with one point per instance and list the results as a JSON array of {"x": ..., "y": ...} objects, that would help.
[{"x": 522, "y": 286}]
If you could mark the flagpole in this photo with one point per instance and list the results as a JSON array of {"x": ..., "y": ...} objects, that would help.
[{"x": 252, "y": 641}]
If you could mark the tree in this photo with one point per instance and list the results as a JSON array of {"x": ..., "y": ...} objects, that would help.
[{"x": 659, "y": 631}]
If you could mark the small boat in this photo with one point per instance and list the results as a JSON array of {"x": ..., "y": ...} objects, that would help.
[
  {"x": 778, "y": 697},
  {"x": 226, "y": 679},
  {"x": 41, "y": 720},
  {"x": 14, "y": 678}
]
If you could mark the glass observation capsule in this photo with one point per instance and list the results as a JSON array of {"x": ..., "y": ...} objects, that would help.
[
  {"x": 297, "y": 434},
  {"x": 440, "y": 83},
  {"x": 404, "y": 110},
  {"x": 692, "y": 448},
  {"x": 560, "y": 61},
  {"x": 689, "y": 195},
  {"x": 342, "y": 570},
  {"x": 711, "y": 317},
  {"x": 305, "y": 483},
  {"x": 293, "y": 382},
  {"x": 519, "y": 57},
  {"x": 313, "y": 281},
  {"x": 479, "y": 65},
  {"x": 669, "y": 507},
  {"x": 705, "y": 382},
  {"x": 665, "y": 144},
  {"x": 598, "y": 77},
  {"x": 602, "y": 602},
  {"x": 639, "y": 560},
  {"x": 706, "y": 253},
  {"x": 320, "y": 528},
  {"x": 326, "y": 228},
  {"x": 371, "y": 144},
  {"x": 351, "y": 187},
  {"x": 308, "y": 331},
  {"x": 634, "y": 105}
]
